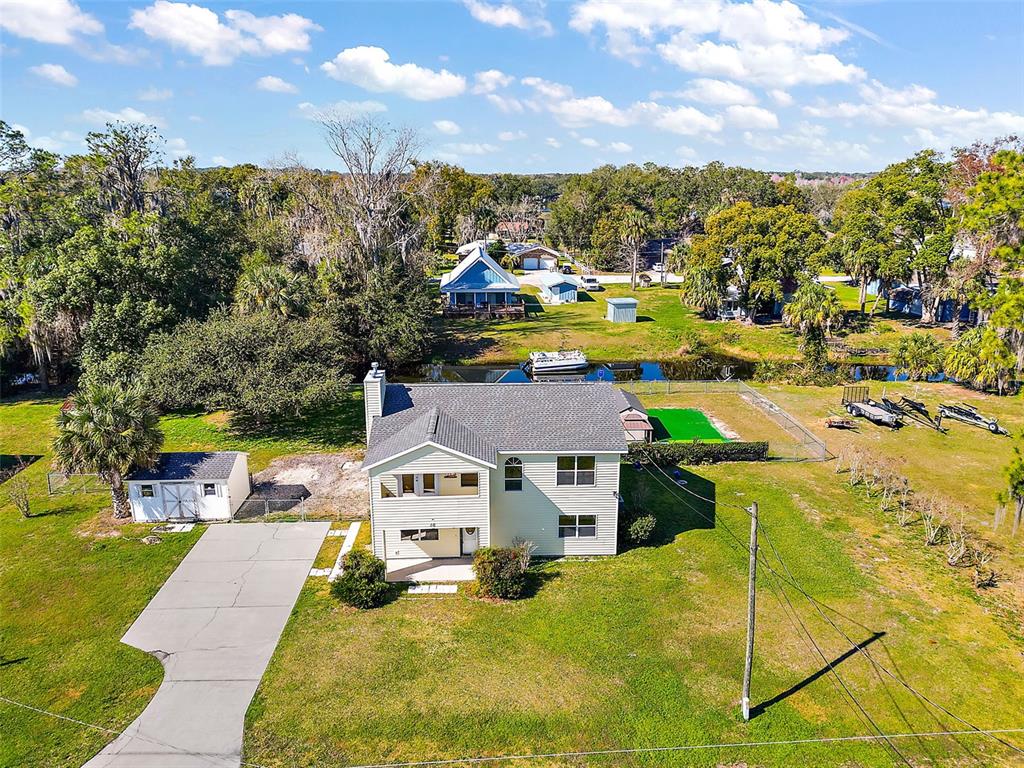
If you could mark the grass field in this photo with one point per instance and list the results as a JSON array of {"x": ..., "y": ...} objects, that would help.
[
  {"x": 72, "y": 581},
  {"x": 683, "y": 425}
]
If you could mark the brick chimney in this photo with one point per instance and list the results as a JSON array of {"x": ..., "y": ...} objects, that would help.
[{"x": 373, "y": 394}]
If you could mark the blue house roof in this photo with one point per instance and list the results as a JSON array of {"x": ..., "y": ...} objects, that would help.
[{"x": 478, "y": 272}]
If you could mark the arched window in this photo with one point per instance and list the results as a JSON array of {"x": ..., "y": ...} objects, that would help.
[{"x": 513, "y": 474}]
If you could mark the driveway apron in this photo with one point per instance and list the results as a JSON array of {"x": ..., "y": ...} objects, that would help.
[{"x": 214, "y": 625}]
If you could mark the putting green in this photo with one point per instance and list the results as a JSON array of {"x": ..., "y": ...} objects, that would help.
[{"x": 683, "y": 425}]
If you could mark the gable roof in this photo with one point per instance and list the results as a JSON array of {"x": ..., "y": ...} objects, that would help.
[
  {"x": 551, "y": 279},
  {"x": 481, "y": 420},
  {"x": 478, "y": 271},
  {"x": 629, "y": 401},
  {"x": 190, "y": 465},
  {"x": 523, "y": 248}
]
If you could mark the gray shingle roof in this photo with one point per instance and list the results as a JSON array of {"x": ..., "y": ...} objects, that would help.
[
  {"x": 190, "y": 465},
  {"x": 629, "y": 400},
  {"x": 481, "y": 420}
]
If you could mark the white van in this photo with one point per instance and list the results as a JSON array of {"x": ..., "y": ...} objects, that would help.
[{"x": 589, "y": 283}]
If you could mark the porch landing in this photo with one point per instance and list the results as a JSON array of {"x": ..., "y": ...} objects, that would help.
[{"x": 428, "y": 570}]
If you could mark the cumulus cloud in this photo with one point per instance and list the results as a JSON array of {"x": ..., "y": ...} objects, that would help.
[
  {"x": 552, "y": 142},
  {"x": 507, "y": 104},
  {"x": 511, "y": 135},
  {"x": 751, "y": 117},
  {"x": 586, "y": 141},
  {"x": 448, "y": 127},
  {"x": 619, "y": 146},
  {"x": 98, "y": 116},
  {"x": 763, "y": 41},
  {"x": 60, "y": 22},
  {"x": 55, "y": 73},
  {"x": 202, "y": 32},
  {"x": 914, "y": 107},
  {"x": 781, "y": 97},
  {"x": 155, "y": 94},
  {"x": 220, "y": 160},
  {"x": 340, "y": 109},
  {"x": 275, "y": 84},
  {"x": 507, "y": 15},
  {"x": 711, "y": 91},
  {"x": 812, "y": 142},
  {"x": 466, "y": 148},
  {"x": 491, "y": 80},
  {"x": 178, "y": 148},
  {"x": 370, "y": 68}
]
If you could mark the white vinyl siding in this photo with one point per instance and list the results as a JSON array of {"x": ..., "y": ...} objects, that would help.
[
  {"x": 462, "y": 510},
  {"x": 214, "y": 499},
  {"x": 533, "y": 513}
]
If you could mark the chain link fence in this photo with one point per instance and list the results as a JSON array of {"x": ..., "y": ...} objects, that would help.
[
  {"x": 276, "y": 509},
  {"x": 798, "y": 444}
]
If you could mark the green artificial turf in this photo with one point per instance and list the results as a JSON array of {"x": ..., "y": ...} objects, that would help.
[{"x": 683, "y": 425}]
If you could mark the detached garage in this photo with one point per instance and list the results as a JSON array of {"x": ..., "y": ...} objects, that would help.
[
  {"x": 202, "y": 485},
  {"x": 536, "y": 257}
]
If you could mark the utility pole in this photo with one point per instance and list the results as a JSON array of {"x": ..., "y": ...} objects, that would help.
[
  {"x": 751, "y": 600},
  {"x": 662, "y": 263}
]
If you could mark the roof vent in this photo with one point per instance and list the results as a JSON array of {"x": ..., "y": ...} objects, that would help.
[{"x": 374, "y": 367}]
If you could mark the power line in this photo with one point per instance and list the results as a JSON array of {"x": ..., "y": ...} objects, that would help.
[{"x": 586, "y": 753}]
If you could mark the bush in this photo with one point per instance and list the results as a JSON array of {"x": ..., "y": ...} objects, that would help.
[
  {"x": 641, "y": 529},
  {"x": 361, "y": 583},
  {"x": 696, "y": 452},
  {"x": 501, "y": 571}
]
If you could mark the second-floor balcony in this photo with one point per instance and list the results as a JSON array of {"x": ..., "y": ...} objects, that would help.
[{"x": 433, "y": 485}]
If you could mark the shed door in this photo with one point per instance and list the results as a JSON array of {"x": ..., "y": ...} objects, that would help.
[{"x": 180, "y": 500}]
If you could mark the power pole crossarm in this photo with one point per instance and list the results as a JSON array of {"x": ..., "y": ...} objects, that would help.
[{"x": 751, "y": 603}]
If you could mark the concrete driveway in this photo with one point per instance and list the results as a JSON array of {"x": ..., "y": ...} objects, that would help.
[{"x": 214, "y": 625}]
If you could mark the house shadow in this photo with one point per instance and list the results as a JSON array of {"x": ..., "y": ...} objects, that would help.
[
  {"x": 644, "y": 319},
  {"x": 679, "y": 499},
  {"x": 531, "y": 304},
  {"x": 583, "y": 296},
  {"x": 12, "y": 463}
]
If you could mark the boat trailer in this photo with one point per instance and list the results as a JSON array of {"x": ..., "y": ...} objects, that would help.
[{"x": 968, "y": 414}]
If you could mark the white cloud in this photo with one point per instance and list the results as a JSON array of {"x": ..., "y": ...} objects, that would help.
[
  {"x": 810, "y": 141},
  {"x": 201, "y": 32},
  {"x": 57, "y": 143},
  {"x": 914, "y": 107},
  {"x": 460, "y": 148},
  {"x": 781, "y": 97},
  {"x": 687, "y": 121},
  {"x": 586, "y": 141},
  {"x": 507, "y": 104},
  {"x": 507, "y": 15},
  {"x": 99, "y": 116},
  {"x": 178, "y": 148},
  {"x": 370, "y": 68},
  {"x": 552, "y": 142},
  {"x": 55, "y": 73},
  {"x": 619, "y": 146},
  {"x": 275, "y": 84},
  {"x": 751, "y": 117},
  {"x": 47, "y": 21},
  {"x": 448, "y": 127},
  {"x": 491, "y": 80},
  {"x": 511, "y": 135},
  {"x": 195, "y": 119},
  {"x": 710, "y": 91},
  {"x": 686, "y": 153},
  {"x": 763, "y": 41},
  {"x": 341, "y": 109},
  {"x": 220, "y": 160},
  {"x": 155, "y": 94}
]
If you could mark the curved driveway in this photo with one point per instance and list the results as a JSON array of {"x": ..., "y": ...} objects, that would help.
[{"x": 214, "y": 625}]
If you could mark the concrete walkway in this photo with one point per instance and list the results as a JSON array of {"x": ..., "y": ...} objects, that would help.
[{"x": 214, "y": 625}]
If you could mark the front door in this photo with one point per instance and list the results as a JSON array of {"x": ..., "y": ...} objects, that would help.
[
  {"x": 470, "y": 540},
  {"x": 180, "y": 500}
]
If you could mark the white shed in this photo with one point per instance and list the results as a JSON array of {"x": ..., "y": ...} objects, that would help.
[
  {"x": 201, "y": 485},
  {"x": 559, "y": 289},
  {"x": 622, "y": 310}
]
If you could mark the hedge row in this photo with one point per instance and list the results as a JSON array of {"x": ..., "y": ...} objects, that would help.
[{"x": 697, "y": 452}]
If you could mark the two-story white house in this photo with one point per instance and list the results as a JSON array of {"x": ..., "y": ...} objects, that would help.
[{"x": 455, "y": 467}]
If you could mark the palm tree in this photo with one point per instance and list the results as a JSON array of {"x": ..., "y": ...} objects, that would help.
[
  {"x": 108, "y": 431},
  {"x": 814, "y": 308},
  {"x": 633, "y": 231},
  {"x": 270, "y": 288}
]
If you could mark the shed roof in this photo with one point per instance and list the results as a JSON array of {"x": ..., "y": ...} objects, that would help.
[
  {"x": 481, "y": 420},
  {"x": 623, "y": 302},
  {"x": 551, "y": 279},
  {"x": 190, "y": 465},
  {"x": 627, "y": 400}
]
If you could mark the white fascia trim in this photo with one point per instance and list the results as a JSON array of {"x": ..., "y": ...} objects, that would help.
[{"x": 439, "y": 447}]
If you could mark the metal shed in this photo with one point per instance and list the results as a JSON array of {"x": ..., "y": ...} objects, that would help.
[
  {"x": 559, "y": 289},
  {"x": 622, "y": 310}
]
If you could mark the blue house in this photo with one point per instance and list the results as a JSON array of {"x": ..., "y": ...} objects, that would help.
[{"x": 480, "y": 286}]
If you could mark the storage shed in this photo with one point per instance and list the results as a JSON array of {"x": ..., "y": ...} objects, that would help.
[
  {"x": 199, "y": 485},
  {"x": 622, "y": 310},
  {"x": 559, "y": 289}
]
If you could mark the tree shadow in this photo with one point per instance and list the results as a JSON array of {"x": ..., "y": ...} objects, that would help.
[
  {"x": 853, "y": 651},
  {"x": 340, "y": 425},
  {"x": 537, "y": 577}
]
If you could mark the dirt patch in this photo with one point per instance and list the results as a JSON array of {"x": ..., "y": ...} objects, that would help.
[{"x": 326, "y": 482}]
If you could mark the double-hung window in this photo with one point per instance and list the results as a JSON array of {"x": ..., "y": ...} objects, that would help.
[
  {"x": 575, "y": 470},
  {"x": 513, "y": 474},
  {"x": 577, "y": 526}
]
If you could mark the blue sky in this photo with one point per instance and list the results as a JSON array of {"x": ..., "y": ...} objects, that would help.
[{"x": 525, "y": 87}]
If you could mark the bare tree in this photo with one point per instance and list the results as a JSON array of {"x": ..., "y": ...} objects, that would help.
[
  {"x": 122, "y": 159},
  {"x": 16, "y": 490},
  {"x": 378, "y": 160}
]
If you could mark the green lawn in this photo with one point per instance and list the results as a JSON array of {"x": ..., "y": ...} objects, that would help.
[
  {"x": 683, "y": 425},
  {"x": 72, "y": 582},
  {"x": 645, "y": 649}
]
